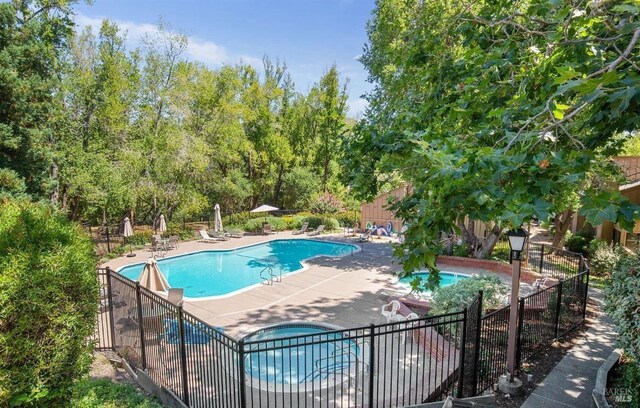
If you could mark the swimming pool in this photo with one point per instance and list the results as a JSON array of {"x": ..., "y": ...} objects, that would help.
[
  {"x": 446, "y": 278},
  {"x": 211, "y": 273},
  {"x": 301, "y": 353}
]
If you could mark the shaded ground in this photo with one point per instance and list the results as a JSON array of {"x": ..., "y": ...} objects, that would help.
[{"x": 543, "y": 362}]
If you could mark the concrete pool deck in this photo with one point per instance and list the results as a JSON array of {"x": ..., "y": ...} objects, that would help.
[{"x": 346, "y": 291}]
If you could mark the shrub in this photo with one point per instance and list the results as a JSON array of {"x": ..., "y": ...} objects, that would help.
[
  {"x": 48, "y": 302},
  {"x": 255, "y": 224},
  {"x": 140, "y": 238},
  {"x": 347, "y": 219},
  {"x": 456, "y": 297},
  {"x": 602, "y": 258},
  {"x": 103, "y": 393},
  {"x": 621, "y": 304},
  {"x": 461, "y": 250},
  {"x": 329, "y": 223},
  {"x": 177, "y": 228},
  {"x": 236, "y": 219},
  {"x": 579, "y": 242}
]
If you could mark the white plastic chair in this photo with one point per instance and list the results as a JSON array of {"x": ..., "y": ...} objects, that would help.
[
  {"x": 390, "y": 310},
  {"x": 176, "y": 296}
]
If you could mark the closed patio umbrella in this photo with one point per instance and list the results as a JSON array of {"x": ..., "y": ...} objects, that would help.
[
  {"x": 218, "y": 220},
  {"x": 127, "y": 231},
  {"x": 264, "y": 208},
  {"x": 151, "y": 277},
  {"x": 162, "y": 225}
]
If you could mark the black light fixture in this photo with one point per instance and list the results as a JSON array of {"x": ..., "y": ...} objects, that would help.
[{"x": 517, "y": 239}]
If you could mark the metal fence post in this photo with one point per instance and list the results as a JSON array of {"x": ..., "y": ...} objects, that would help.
[
  {"x": 371, "y": 359},
  {"x": 541, "y": 257},
  {"x": 558, "y": 307},
  {"x": 519, "y": 336},
  {"x": 141, "y": 326},
  {"x": 586, "y": 295},
  {"x": 183, "y": 357},
  {"x": 108, "y": 240},
  {"x": 462, "y": 351},
  {"x": 112, "y": 324},
  {"x": 476, "y": 357},
  {"x": 243, "y": 393}
]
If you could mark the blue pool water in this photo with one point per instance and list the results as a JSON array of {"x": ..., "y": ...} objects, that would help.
[
  {"x": 446, "y": 278},
  {"x": 218, "y": 273},
  {"x": 313, "y": 357}
]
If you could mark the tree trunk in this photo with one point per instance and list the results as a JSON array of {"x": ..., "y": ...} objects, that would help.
[
  {"x": 278, "y": 187},
  {"x": 561, "y": 222},
  {"x": 486, "y": 247},
  {"x": 55, "y": 194}
]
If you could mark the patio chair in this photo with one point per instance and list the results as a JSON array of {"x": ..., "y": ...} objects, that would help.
[
  {"x": 206, "y": 238},
  {"x": 266, "y": 229},
  {"x": 176, "y": 296},
  {"x": 302, "y": 229},
  {"x": 365, "y": 236},
  {"x": 220, "y": 236},
  {"x": 235, "y": 233},
  {"x": 173, "y": 242},
  {"x": 317, "y": 231},
  {"x": 390, "y": 309},
  {"x": 541, "y": 283}
]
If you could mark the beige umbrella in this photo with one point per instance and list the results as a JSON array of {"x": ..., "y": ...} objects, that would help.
[
  {"x": 127, "y": 231},
  {"x": 218, "y": 219},
  {"x": 264, "y": 208},
  {"x": 151, "y": 277},
  {"x": 162, "y": 225}
]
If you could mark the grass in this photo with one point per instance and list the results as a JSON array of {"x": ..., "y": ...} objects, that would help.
[{"x": 103, "y": 393}]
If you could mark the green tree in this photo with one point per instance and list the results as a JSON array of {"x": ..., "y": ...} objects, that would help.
[
  {"x": 492, "y": 110},
  {"x": 33, "y": 34}
]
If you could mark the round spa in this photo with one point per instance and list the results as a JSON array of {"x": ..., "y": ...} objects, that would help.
[
  {"x": 446, "y": 278},
  {"x": 299, "y": 355}
]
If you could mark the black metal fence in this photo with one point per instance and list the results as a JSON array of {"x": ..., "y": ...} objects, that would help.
[
  {"x": 395, "y": 364},
  {"x": 554, "y": 262}
]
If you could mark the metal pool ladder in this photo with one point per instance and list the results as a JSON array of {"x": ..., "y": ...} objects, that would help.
[{"x": 268, "y": 275}]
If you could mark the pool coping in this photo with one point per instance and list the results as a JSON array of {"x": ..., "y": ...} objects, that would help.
[{"x": 303, "y": 262}]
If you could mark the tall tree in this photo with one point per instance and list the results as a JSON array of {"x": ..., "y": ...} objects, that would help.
[{"x": 492, "y": 110}]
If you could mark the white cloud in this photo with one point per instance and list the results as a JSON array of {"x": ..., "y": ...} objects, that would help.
[
  {"x": 207, "y": 52},
  {"x": 357, "y": 106}
]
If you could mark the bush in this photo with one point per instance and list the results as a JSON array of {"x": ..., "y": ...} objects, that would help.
[
  {"x": 456, "y": 297},
  {"x": 621, "y": 304},
  {"x": 177, "y": 228},
  {"x": 329, "y": 223},
  {"x": 139, "y": 238},
  {"x": 255, "y": 224},
  {"x": 347, "y": 219},
  {"x": 579, "y": 242},
  {"x": 48, "y": 302},
  {"x": 326, "y": 203},
  {"x": 602, "y": 258},
  {"x": 236, "y": 219},
  {"x": 461, "y": 250},
  {"x": 105, "y": 394}
]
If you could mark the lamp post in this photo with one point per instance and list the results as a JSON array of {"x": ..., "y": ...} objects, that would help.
[{"x": 517, "y": 240}]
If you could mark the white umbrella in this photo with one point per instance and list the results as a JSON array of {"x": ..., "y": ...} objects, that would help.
[
  {"x": 151, "y": 277},
  {"x": 162, "y": 225},
  {"x": 264, "y": 208},
  {"x": 127, "y": 231},
  {"x": 218, "y": 220}
]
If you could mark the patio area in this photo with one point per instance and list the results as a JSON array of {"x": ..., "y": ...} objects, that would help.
[{"x": 347, "y": 291}]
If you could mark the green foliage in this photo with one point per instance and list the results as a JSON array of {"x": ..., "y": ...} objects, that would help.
[
  {"x": 298, "y": 188},
  {"x": 104, "y": 393},
  {"x": 255, "y": 224},
  {"x": 461, "y": 250},
  {"x": 602, "y": 258},
  {"x": 140, "y": 238},
  {"x": 326, "y": 203},
  {"x": 626, "y": 376},
  {"x": 48, "y": 297},
  {"x": 329, "y": 222},
  {"x": 347, "y": 219},
  {"x": 579, "y": 242},
  {"x": 621, "y": 304},
  {"x": 237, "y": 218},
  {"x": 495, "y": 111},
  {"x": 456, "y": 297},
  {"x": 177, "y": 228}
]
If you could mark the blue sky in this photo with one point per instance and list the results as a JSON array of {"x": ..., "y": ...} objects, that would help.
[{"x": 309, "y": 35}]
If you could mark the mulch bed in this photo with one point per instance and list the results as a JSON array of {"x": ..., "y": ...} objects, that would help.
[{"x": 545, "y": 361}]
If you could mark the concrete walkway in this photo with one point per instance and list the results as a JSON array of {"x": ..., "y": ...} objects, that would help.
[{"x": 572, "y": 380}]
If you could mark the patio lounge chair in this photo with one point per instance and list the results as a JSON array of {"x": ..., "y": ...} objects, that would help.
[
  {"x": 220, "y": 236},
  {"x": 235, "y": 233},
  {"x": 302, "y": 229},
  {"x": 316, "y": 231},
  {"x": 390, "y": 310},
  {"x": 206, "y": 238},
  {"x": 365, "y": 236},
  {"x": 266, "y": 229}
]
